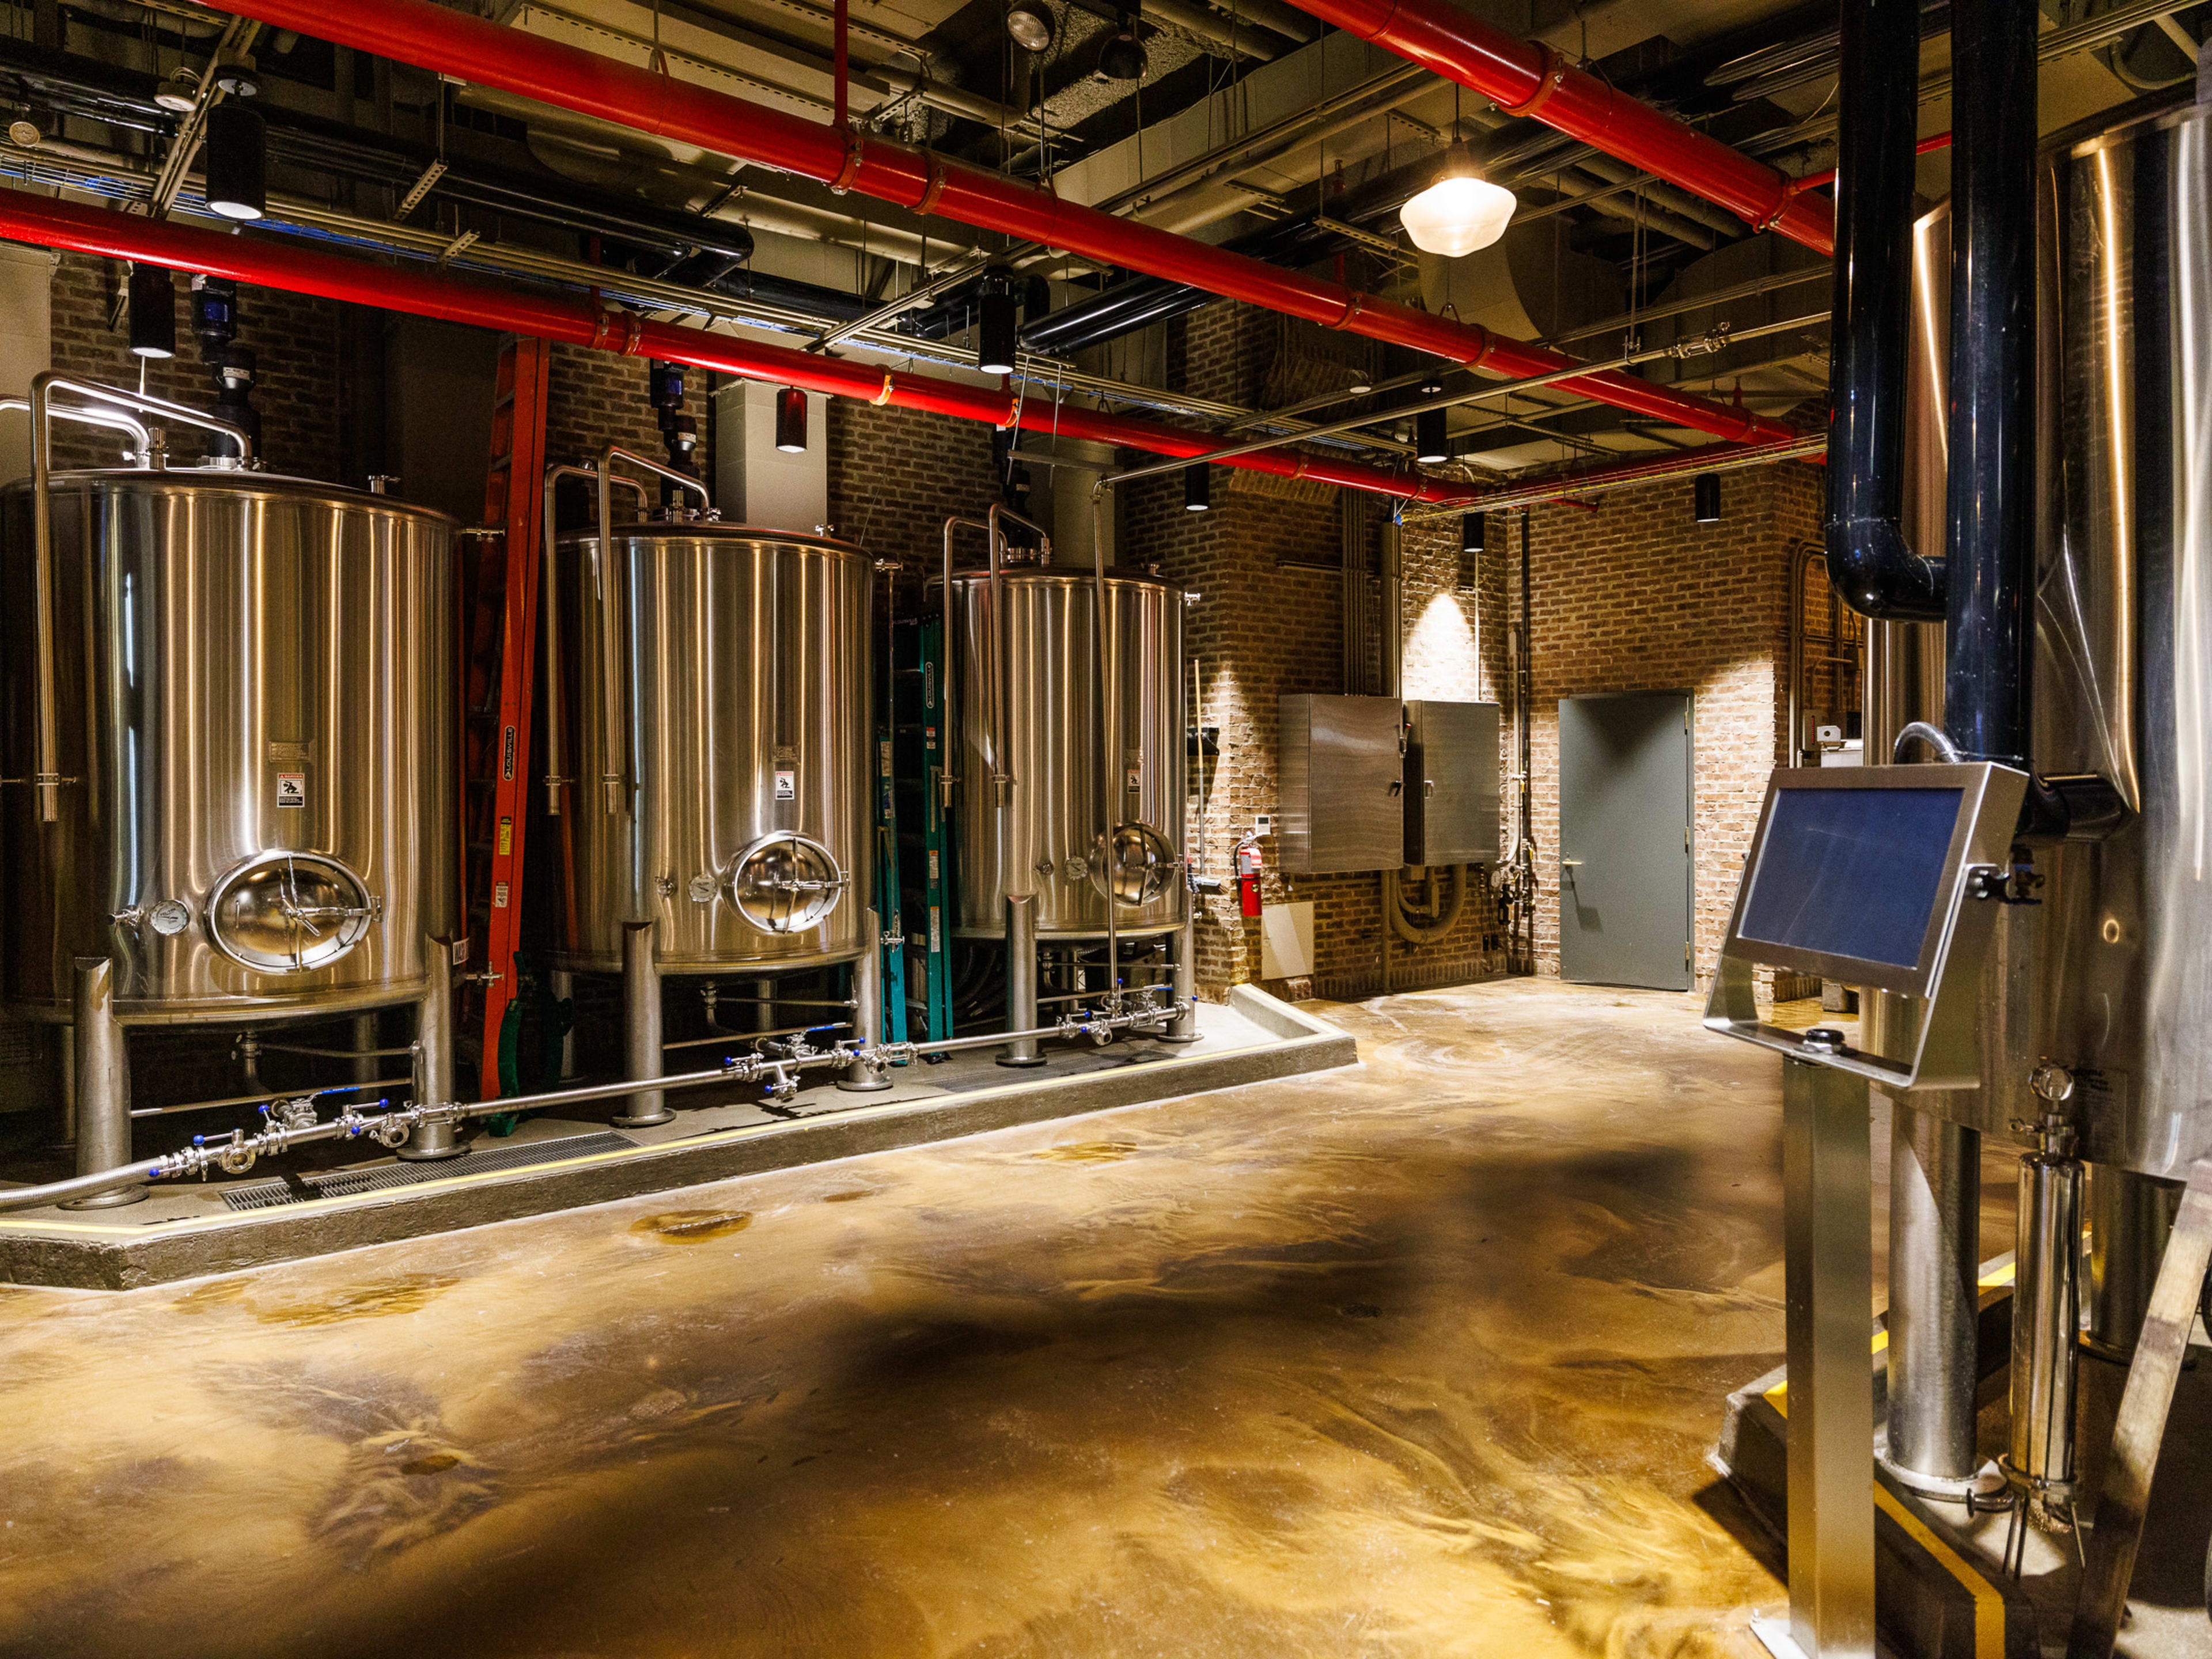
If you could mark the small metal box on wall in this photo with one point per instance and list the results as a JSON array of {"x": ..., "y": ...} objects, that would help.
[
  {"x": 1343, "y": 780},
  {"x": 1451, "y": 782}
]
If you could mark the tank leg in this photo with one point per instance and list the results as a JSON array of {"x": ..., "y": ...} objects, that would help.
[
  {"x": 1183, "y": 1028},
  {"x": 2127, "y": 1218},
  {"x": 1021, "y": 980},
  {"x": 433, "y": 1058},
  {"x": 365, "y": 1039},
  {"x": 862, "y": 1077},
  {"x": 641, "y": 1024},
  {"x": 1935, "y": 1204},
  {"x": 103, "y": 1085}
]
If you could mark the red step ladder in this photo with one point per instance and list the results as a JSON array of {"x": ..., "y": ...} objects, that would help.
[{"x": 500, "y": 612}]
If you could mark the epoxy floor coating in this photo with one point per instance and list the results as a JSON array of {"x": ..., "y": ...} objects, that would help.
[{"x": 1418, "y": 1358}]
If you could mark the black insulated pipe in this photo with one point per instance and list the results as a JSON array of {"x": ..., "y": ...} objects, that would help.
[
  {"x": 1991, "y": 490},
  {"x": 1875, "y": 571}
]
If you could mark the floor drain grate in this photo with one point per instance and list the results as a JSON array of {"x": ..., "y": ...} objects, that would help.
[{"x": 352, "y": 1184}]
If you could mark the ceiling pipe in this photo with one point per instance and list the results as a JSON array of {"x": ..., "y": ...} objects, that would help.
[
  {"x": 1526, "y": 79},
  {"x": 1571, "y": 487},
  {"x": 451, "y": 42},
  {"x": 56, "y": 224}
]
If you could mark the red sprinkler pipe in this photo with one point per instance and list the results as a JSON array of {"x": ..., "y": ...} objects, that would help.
[
  {"x": 446, "y": 42},
  {"x": 1927, "y": 146},
  {"x": 1523, "y": 78},
  {"x": 50, "y": 223}
]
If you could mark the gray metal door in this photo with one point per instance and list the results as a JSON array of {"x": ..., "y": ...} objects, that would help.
[{"x": 1626, "y": 878}]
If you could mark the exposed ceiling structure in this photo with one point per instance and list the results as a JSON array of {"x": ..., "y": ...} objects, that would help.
[{"x": 1249, "y": 126}]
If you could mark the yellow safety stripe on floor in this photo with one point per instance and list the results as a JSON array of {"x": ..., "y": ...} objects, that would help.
[
  {"x": 1996, "y": 1279},
  {"x": 1989, "y": 1601}
]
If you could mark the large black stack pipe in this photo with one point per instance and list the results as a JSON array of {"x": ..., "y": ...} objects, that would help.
[
  {"x": 1991, "y": 488},
  {"x": 1873, "y": 568}
]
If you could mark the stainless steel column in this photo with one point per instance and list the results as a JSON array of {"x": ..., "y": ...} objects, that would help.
[
  {"x": 1934, "y": 1211},
  {"x": 641, "y": 1049},
  {"x": 1183, "y": 1028},
  {"x": 1828, "y": 1263},
  {"x": 103, "y": 1084},
  {"x": 1022, "y": 979},
  {"x": 365, "y": 1039},
  {"x": 2126, "y": 1219},
  {"x": 434, "y": 1057},
  {"x": 860, "y": 1077}
]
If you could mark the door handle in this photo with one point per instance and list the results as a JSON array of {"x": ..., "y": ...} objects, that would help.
[{"x": 1569, "y": 864}]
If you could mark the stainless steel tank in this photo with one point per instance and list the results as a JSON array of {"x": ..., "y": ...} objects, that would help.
[
  {"x": 734, "y": 664},
  {"x": 257, "y": 697},
  {"x": 1040, "y": 729}
]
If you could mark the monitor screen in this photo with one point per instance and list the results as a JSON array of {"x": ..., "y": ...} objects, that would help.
[{"x": 1851, "y": 873}]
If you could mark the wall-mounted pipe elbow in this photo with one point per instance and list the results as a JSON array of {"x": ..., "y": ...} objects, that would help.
[{"x": 1875, "y": 569}]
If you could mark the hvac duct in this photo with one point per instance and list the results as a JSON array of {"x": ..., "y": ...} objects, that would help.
[{"x": 434, "y": 38}]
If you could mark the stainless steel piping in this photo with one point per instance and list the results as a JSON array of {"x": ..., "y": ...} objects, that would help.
[
  {"x": 1109, "y": 743},
  {"x": 863, "y": 1076},
  {"x": 285, "y": 1129},
  {"x": 433, "y": 1052},
  {"x": 48, "y": 780}
]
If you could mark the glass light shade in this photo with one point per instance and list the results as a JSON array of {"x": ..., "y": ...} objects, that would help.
[{"x": 1461, "y": 213}]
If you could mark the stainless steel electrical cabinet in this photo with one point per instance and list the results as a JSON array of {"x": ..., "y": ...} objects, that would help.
[
  {"x": 1343, "y": 783},
  {"x": 1451, "y": 782}
]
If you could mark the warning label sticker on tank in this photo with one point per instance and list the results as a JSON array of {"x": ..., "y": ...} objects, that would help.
[
  {"x": 787, "y": 783},
  {"x": 291, "y": 788}
]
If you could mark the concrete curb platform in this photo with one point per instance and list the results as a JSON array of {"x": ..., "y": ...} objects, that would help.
[{"x": 185, "y": 1230}]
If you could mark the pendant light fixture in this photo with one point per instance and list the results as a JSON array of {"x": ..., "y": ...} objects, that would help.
[
  {"x": 1473, "y": 532},
  {"x": 995, "y": 324},
  {"x": 1431, "y": 445},
  {"x": 1031, "y": 24},
  {"x": 237, "y": 161},
  {"x": 1705, "y": 498},
  {"x": 1197, "y": 487},
  {"x": 152, "y": 310},
  {"x": 1462, "y": 211},
  {"x": 791, "y": 421},
  {"x": 1123, "y": 58}
]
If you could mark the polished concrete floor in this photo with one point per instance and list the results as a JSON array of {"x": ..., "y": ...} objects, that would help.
[{"x": 1418, "y": 1358}]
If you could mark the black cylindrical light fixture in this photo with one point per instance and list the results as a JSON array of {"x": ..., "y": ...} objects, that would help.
[
  {"x": 1430, "y": 445},
  {"x": 1197, "y": 487},
  {"x": 1473, "y": 531},
  {"x": 1705, "y": 495},
  {"x": 791, "y": 421},
  {"x": 152, "y": 310},
  {"x": 996, "y": 325},
  {"x": 236, "y": 159}
]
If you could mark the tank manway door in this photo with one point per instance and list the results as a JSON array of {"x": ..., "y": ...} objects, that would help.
[
  {"x": 289, "y": 912},
  {"x": 786, "y": 884}
]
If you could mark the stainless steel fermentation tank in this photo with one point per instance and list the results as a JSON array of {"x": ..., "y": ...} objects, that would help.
[
  {"x": 1068, "y": 772},
  {"x": 242, "y": 690},
  {"x": 1066, "y": 776},
  {"x": 2110, "y": 976},
  {"x": 713, "y": 713}
]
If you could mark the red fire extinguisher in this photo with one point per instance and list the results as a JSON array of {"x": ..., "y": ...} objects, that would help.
[{"x": 1248, "y": 876}]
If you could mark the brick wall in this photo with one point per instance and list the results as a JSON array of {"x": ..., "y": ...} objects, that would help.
[
  {"x": 895, "y": 476},
  {"x": 1637, "y": 597},
  {"x": 294, "y": 339},
  {"x": 1270, "y": 621}
]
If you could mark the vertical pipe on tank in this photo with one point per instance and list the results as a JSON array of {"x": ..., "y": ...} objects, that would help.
[
  {"x": 642, "y": 1051},
  {"x": 860, "y": 1077},
  {"x": 1022, "y": 979},
  {"x": 103, "y": 1084},
  {"x": 433, "y": 1055}
]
